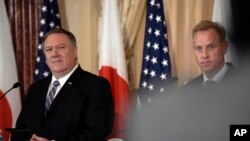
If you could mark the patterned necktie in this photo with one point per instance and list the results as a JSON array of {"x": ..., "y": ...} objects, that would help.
[{"x": 51, "y": 95}]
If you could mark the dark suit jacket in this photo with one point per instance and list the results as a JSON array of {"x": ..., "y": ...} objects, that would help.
[
  {"x": 198, "y": 81},
  {"x": 83, "y": 109}
]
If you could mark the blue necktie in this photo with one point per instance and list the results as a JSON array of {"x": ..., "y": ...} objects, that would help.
[{"x": 51, "y": 95}]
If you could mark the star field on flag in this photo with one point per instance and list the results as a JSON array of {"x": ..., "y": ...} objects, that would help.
[
  {"x": 49, "y": 19},
  {"x": 156, "y": 65}
]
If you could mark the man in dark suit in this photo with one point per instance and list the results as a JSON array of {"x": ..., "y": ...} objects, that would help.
[
  {"x": 210, "y": 46},
  {"x": 79, "y": 107}
]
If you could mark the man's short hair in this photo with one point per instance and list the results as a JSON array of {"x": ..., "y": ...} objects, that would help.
[
  {"x": 205, "y": 25},
  {"x": 63, "y": 31}
]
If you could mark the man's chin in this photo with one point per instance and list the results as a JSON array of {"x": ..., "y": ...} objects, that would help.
[
  {"x": 56, "y": 70},
  {"x": 207, "y": 70}
]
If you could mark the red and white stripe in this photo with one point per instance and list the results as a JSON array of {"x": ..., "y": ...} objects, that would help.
[
  {"x": 112, "y": 64},
  {"x": 10, "y": 105}
]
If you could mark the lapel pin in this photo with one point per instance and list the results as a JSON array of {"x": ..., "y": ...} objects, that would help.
[{"x": 70, "y": 83}]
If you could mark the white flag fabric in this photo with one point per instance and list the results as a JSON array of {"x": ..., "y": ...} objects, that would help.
[
  {"x": 112, "y": 64},
  {"x": 10, "y": 105},
  {"x": 222, "y": 13}
]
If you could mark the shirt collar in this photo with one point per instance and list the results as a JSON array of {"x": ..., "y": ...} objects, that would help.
[
  {"x": 63, "y": 79},
  {"x": 219, "y": 76}
]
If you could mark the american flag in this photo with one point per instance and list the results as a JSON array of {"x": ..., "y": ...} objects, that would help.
[
  {"x": 156, "y": 65},
  {"x": 49, "y": 19}
]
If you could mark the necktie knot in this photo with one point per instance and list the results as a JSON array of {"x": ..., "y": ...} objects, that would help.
[
  {"x": 56, "y": 83},
  {"x": 210, "y": 83}
]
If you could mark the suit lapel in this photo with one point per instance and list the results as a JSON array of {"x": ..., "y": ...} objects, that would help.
[
  {"x": 199, "y": 81},
  {"x": 66, "y": 89},
  {"x": 41, "y": 95},
  {"x": 230, "y": 72}
]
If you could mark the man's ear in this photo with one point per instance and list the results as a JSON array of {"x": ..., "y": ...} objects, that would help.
[
  {"x": 76, "y": 52},
  {"x": 225, "y": 47}
]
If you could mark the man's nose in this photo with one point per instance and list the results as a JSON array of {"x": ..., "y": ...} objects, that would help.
[
  {"x": 204, "y": 53},
  {"x": 54, "y": 52}
]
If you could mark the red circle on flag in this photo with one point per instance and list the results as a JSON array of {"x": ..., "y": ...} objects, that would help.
[{"x": 6, "y": 116}]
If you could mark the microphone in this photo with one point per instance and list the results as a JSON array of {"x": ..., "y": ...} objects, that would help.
[
  {"x": 15, "y": 85},
  {"x": 12, "y": 130}
]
